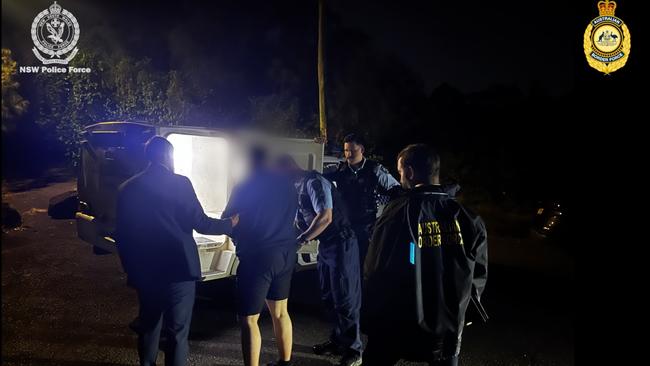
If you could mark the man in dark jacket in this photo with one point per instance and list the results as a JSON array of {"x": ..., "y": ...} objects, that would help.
[
  {"x": 427, "y": 261},
  {"x": 266, "y": 246},
  {"x": 157, "y": 211}
]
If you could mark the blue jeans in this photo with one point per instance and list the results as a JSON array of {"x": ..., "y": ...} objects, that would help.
[{"x": 166, "y": 308}]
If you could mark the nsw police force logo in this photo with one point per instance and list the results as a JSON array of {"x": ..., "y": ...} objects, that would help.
[
  {"x": 55, "y": 32},
  {"x": 607, "y": 40}
]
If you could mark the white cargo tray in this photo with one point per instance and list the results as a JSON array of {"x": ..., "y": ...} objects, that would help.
[{"x": 216, "y": 260}]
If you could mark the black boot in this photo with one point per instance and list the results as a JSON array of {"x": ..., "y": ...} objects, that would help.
[{"x": 328, "y": 348}]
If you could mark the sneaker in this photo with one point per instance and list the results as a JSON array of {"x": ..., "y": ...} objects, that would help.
[
  {"x": 351, "y": 358},
  {"x": 328, "y": 348}
]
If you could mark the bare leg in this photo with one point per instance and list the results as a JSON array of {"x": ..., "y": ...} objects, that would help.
[
  {"x": 282, "y": 327},
  {"x": 251, "y": 340}
]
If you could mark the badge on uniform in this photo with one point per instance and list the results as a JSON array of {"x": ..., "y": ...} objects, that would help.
[{"x": 607, "y": 40}]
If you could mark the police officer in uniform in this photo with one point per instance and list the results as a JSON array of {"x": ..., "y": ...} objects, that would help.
[
  {"x": 360, "y": 180},
  {"x": 322, "y": 215},
  {"x": 427, "y": 263}
]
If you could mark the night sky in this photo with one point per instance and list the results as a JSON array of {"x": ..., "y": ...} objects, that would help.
[{"x": 468, "y": 44}]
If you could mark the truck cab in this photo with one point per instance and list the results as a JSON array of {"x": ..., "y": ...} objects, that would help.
[{"x": 214, "y": 160}]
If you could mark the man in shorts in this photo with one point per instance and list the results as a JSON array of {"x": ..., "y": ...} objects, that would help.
[{"x": 266, "y": 246}]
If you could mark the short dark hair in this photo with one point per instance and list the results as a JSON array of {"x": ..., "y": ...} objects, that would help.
[
  {"x": 157, "y": 149},
  {"x": 286, "y": 161},
  {"x": 258, "y": 155},
  {"x": 424, "y": 160},
  {"x": 354, "y": 138}
]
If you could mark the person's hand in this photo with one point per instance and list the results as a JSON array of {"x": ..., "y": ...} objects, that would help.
[
  {"x": 302, "y": 239},
  {"x": 234, "y": 220}
]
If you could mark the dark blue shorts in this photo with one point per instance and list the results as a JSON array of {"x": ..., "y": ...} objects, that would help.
[{"x": 264, "y": 276}]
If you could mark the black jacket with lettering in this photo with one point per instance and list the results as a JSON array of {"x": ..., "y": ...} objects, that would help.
[{"x": 426, "y": 262}]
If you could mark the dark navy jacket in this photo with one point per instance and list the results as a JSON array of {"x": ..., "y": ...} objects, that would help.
[{"x": 156, "y": 213}]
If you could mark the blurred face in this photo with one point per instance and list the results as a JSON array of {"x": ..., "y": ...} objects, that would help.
[
  {"x": 405, "y": 174},
  {"x": 169, "y": 160},
  {"x": 291, "y": 170},
  {"x": 353, "y": 152}
]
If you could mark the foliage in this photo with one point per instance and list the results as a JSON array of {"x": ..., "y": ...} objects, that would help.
[
  {"x": 13, "y": 104},
  {"x": 123, "y": 89}
]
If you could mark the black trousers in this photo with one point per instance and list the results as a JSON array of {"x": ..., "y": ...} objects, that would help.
[{"x": 166, "y": 308}]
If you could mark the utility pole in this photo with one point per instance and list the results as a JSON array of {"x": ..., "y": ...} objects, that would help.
[{"x": 321, "y": 72}]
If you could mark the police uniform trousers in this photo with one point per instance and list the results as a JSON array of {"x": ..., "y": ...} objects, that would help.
[
  {"x": 165, "y": 307},
  {"x": 363, "y": 232},
  {"x": 340, "y": 283}
]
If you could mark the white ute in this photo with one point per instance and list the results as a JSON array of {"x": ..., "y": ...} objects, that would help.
[{"x": 214, "y": 160}]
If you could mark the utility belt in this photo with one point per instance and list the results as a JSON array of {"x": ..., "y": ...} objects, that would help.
[{"x": 334, "y": 234}]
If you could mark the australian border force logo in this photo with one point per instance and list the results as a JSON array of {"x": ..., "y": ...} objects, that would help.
[
  {"x": 55, "y": 32},
  {"x": 607, "y": 40}
]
